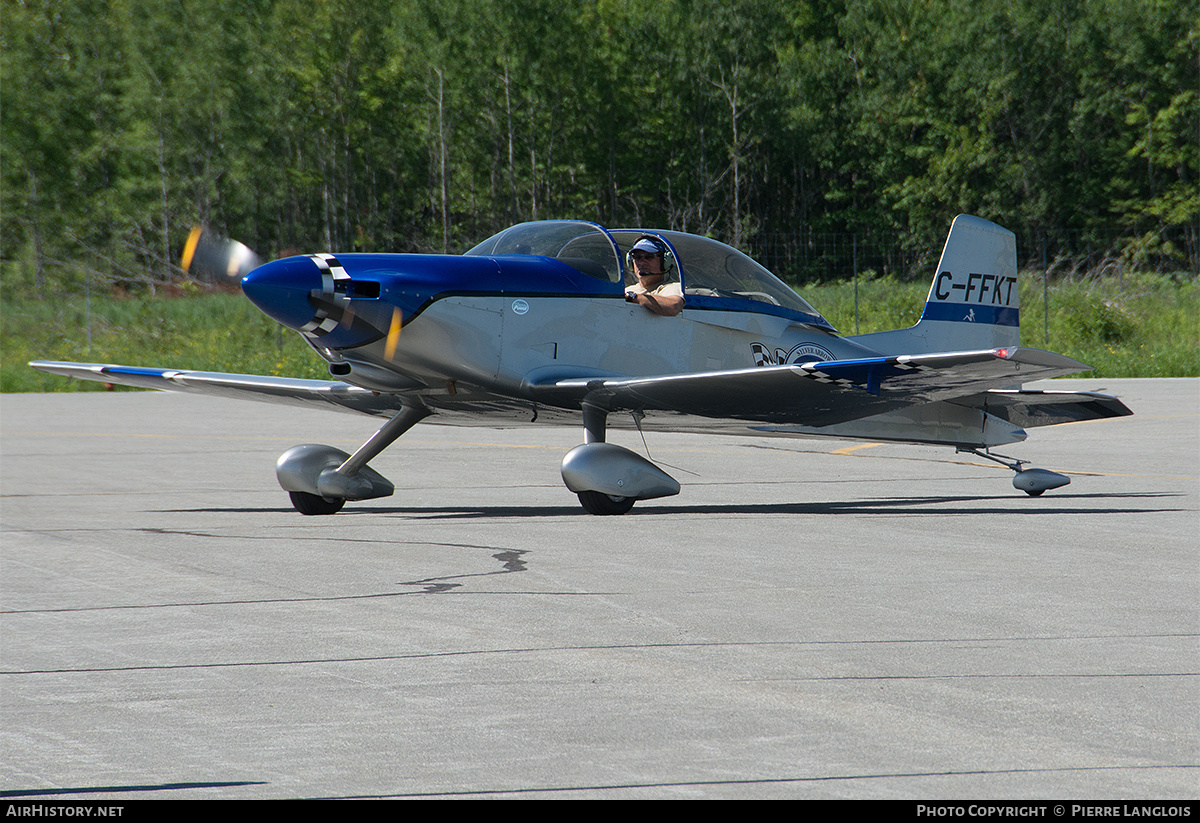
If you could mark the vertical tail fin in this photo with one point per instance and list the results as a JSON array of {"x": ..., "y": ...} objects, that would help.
[{"x": 973, "y": 302}]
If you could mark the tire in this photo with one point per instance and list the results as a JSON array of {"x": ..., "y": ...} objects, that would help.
[
  {"x": 306, "y": 503},
  {"x": 601, "y": 503}
]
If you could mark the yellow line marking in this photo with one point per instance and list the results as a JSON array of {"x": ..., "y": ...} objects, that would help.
[
  {"x": 850, "y": 449},
  {"x": 1135, "y": 417}
]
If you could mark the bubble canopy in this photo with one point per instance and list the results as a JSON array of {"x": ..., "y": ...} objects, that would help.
[{"x": 713, "y": 275}]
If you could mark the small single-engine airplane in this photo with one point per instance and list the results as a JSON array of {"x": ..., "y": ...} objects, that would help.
[{"x": 543, "y": 322}]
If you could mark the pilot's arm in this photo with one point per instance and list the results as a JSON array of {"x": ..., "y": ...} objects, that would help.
[{"x": 667, "y": 301}]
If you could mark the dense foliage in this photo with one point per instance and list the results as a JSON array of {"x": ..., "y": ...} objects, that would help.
[{"x": 425, "y": 125}]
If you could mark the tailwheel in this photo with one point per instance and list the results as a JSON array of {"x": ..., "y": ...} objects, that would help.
[
  {"x": 601, "y": 503},
  {"x": 306, "y": 503},
  {"x": 1031, "y": 481}
]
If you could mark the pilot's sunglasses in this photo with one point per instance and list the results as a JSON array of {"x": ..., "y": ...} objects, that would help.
[{"x": 643, "y": 255}]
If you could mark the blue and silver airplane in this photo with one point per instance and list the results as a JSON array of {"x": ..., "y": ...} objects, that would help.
[{"x": 542, "y": 323}]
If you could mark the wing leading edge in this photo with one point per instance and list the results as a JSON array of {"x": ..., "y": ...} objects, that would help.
[{"x": 279, "y": 390}]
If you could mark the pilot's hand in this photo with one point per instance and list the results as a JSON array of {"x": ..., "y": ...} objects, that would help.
[{"x": 631, "y": 297}]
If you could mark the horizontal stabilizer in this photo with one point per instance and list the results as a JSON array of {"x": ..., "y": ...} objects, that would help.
[{"x": 1030, "y": 409}]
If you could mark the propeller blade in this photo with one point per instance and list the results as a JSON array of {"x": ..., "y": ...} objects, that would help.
[
  {"x": 208, "y": 256},
  {"x": 393, "y": 335}
]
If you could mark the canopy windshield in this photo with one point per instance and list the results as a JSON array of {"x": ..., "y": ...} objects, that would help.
[
  {"x": 572, "y": 241},
  {"x": 713, "y": 275}
]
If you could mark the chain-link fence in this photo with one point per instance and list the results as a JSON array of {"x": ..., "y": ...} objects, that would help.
[{"x": 807, "y": 256}]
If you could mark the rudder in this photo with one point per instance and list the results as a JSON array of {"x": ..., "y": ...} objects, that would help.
[{"x": 973, "y": 301}]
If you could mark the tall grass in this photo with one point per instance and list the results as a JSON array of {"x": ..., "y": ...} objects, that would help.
[
  {"x": 1140, "y": 325},
  {"x": 1134, "y": 326},
  {"x": 212, "y": 332}
]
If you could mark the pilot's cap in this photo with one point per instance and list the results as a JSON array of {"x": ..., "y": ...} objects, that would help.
[{"x": 649, "y": 244}]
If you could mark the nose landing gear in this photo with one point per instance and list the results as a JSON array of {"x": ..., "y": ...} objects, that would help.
[{"x": 320, "y": 479}]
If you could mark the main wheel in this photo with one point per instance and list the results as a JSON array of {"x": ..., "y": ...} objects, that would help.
[
  {"x": 306, "y": 503},
  {"x": 601, "y": 503}
]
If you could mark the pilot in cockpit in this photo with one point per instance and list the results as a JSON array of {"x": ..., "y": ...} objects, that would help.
[{"x": 654, "y": 289}]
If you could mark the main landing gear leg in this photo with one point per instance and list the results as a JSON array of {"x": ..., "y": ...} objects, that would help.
[
  {"x": 1031, "y": 481},
  {"x": 595, "y": 425},
  {"x": 320, "y": 479},
  {"x": 608, "y": 478}
]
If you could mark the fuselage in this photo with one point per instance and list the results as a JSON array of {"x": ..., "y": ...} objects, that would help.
[{"x": 537, "y": 303}]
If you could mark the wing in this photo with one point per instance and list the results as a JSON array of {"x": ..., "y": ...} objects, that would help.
[
  {"x": 808, "y": 394},
  {"x": 280, "y": 390},
  {"x": 824, "y": 394}
]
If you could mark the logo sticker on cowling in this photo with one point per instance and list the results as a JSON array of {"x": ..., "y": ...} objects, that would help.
[
  {"x": 520, "y": 307},
  {"x": 803, "y": 353}
]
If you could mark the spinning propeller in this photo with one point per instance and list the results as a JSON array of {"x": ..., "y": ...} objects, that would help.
[
  {"x": 210, "y": 256},
  {"x": 312, "y": 294}
]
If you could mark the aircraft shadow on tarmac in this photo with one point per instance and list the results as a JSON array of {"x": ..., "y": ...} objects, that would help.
[
  {"x": 558, "y": 790},
  {"x": 155, "y": 787},
  {"x": 935, "y": 506}
]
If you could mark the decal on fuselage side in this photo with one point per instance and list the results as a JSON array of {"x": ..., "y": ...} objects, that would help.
[{"x": 803, "y": 353}]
